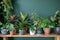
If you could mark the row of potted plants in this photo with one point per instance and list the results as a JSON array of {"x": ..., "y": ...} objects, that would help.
[{"x": 33, "y": 24}]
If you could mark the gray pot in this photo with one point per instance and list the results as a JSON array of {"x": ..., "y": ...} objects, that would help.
[
  {"x": 39, "y": 31},
  {"x": 21, "y": 32},
  {"x": 57, "y": 30},
  {"x": 4, "y": 31}
]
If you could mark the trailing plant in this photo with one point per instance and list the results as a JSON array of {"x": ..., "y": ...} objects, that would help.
[{"x": 7, "y": 8}]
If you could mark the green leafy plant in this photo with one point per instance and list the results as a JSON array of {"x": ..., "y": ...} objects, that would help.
[
  {"x": 45, "y": 23},
  {"x": 32, "y": 23},
  {"x": 22, "y": 21},
  {"x": 7, "y": 8},
  {"x": 56, "y": 18},
  {"x": 6, "y": 26}
]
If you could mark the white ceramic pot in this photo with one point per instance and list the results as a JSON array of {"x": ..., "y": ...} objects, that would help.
[{"x": 32, "y": 32}]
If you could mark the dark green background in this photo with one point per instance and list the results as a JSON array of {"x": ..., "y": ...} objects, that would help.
[{"x": 42, "y": 7}]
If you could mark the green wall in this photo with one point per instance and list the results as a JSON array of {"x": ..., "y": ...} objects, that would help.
[{"x": 42, "y": 7}]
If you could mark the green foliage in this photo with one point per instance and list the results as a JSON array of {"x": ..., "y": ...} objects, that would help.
[
  {"x": 11, "y": 27},
  {"x": 6, "y": 26},
  {"x": 7, "y": 8},
  {"x": 56, "y": 18},
  {"x": 22, "y": 20},
  {"x": 0, "y": 23},
  {"x": 45, "y": 23},
  {"x": 32, "y": 23}
]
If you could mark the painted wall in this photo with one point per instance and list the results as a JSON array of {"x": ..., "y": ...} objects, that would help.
[{"x": 42, "y": 7}]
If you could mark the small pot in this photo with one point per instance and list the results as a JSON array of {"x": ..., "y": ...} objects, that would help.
[
  {"x": 39, "y": 31},
  {"x": 25, "y": 30},
  {"x": 21, "y": 31},
  {"x": 15, "y": 30},
  {"x": 46, "y": 31},
  {"x": 57, "y": 30},
  {"x": 4, "y": 31},
  {"x": 11, "y": 33},
  {"x": 32, "y": 32}
]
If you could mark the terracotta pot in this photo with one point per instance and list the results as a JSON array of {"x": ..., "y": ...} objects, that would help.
[
  {"x": 25, "y": 30},
  {"x": 15, "y": 31},
  {"x": 46, "y": 31},
  {"x": 11, "y": 33}
]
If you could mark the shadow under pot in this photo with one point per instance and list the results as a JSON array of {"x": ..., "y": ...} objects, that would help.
[{"x": 57, "y": 30}]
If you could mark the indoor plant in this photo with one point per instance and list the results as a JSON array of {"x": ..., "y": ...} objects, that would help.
[
  {"x": 4, "y": 29},
  {"x": 46, "y": 25},
  {"x": 32, "y": 24},
  {"x": 11, "y": 29},
  {"x": 39, "y": 28},
  {"x": 13, "y": 21},
  {"x": 22, "y": 23},
  {"x": 56, "y": 20}
]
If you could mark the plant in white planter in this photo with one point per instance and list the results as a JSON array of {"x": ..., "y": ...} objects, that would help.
[
  {"x": 32, "y": 30},
  {"x": 32, "y": 24}
]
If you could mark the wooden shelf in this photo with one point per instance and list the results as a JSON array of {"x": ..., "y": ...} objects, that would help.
[
  {"x": 5, "y": 37},
  {"x": 28, "y": 35}
]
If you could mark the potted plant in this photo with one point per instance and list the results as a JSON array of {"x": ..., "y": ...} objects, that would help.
[
  {"x": 4, "y": 29},
  {"x": 39, "y": 28},
  {"x": 32, "y": 24},
  {"x": 56, "y": 20},
  {"x": 13, "y": 21},
  {"x": 46, "y": 25},
  {"x": 22, "y": 23},
  {"x": 11, "y": 29}
]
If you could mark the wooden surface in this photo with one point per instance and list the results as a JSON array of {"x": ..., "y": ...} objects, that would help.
[
  {"x": 28, "y": 35},
  {"x": 5, "y": 37}
]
